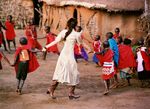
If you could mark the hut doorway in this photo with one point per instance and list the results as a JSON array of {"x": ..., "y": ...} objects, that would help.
[
  {"x": 75, "y": 14},
  {"x": 37, "y": 6}
]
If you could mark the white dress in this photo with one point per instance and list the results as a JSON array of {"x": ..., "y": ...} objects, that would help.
[{"x": 66, "y": 69}]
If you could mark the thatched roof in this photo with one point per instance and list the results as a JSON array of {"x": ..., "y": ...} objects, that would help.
[{"x": 110, "y": 5}]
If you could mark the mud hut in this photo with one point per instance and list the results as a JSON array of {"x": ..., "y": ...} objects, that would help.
[
  {"x": 21, "y": 10},
  {"x": 95, "y": 16}
]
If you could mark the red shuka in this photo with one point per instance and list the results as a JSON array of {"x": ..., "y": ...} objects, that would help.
[
  {"x": 10, "y": 32},
  {"x": 107, "y": 57},
  {"x": 0, "y": 56},
  {"x": 32, "y": 43},
  {"x": 33, "y": 63},
  {"x": 126, "y": 57},
  {"x": 34, "y": 32},
  {"x": 76, "y": 47},
  {"x": 116, "y": 36},
  {"x": 97, "y": 46},
  {"x": 146, "y": 60},
  {"x": 50, "y": 38}
]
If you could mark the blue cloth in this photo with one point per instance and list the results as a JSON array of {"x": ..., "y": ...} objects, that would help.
[
  {"x": 83, "y": 55},
  {"x": 114, "y": 47},
  {"x": 95, "y": 58}
]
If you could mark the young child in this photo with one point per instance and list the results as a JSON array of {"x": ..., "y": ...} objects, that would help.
[
  {"x": 25, "y": 62},
  {"x": 143, "y": 64},
  {"x": 50, "y": 38},
  {"x": 117, "y": 33},
  {"x": 126, "y": 60},
  {"x": 10, "y": 32},
  {"x": 97, "y": 48},
  {"x": 114, "y": 48},
  {"x": 79, "y": 51},
  {"x": 106, "y": 59},
  {"x": 32, "y": 37}
]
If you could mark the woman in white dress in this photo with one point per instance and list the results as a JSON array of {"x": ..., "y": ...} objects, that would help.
[{"x": 66, "y": 69}]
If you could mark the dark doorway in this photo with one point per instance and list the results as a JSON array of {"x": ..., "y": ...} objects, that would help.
[
  {"x": 75, "y": 14},
  {"x": 37, "y": 5}
]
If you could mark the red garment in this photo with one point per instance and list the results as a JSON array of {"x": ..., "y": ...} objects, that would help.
[
  {"x": 1, "y": 38},
  {"x": 126, "y": 57},
  {"x": 0, "y": 56},
  {"x": 116, "y": 36},
  {"x": 33, "y": 63},
  {"x": 32, "y": 43},
  {"x": 50, "y": 38},
  {"x": 10, "y": 32},
  {"x": 97, "y": 46},
  {"x": 34, "y": 32},
  {"x": 77, "y": 49},
  {"x": 146, "y": 60},
  {"x": 107, "y": 57}
]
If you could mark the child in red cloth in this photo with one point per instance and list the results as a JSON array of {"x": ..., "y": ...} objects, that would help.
[
  {"x": 106, "y": 60},
  {"x": 10, "y": 32},
  {"x": 31, "y": 35},
  {"x": 97, "y": 48},
  {"x": 79, "y": 50},
  {"x": 143, "y": 64},
  {"x": 50, "y": 38},
  {"x": 25, "y": 62},
  {"x": 117, "y": 33},
  {"x": 126, "y": 60}
]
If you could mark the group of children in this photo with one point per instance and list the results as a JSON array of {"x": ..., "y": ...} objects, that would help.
[
  {"x": 113, "y": 55},
  {"x": 119, "y": 56}
]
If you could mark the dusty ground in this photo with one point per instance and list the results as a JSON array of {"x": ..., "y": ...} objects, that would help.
[{"x": 90, "y": 88}]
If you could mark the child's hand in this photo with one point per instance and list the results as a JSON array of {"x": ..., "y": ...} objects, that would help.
[{"x": 44, "y": 49}]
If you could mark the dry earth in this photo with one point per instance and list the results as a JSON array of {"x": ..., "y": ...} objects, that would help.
[{"x": 90, "y": 88}]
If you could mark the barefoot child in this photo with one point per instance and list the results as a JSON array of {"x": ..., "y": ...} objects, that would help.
[
  {"x": 143, "y": 64},
  {"x": 97, "y": 48},
  {"x": 31, "y": 35},
  {"x": 25, "y": 62},
  {"x": 80, "y": 51},
  {"x": 126, "y": 60},
  {"x": 50, "y": 38},
  {"x": 106, "y": 59}
]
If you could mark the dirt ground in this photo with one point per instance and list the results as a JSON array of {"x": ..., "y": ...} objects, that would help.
[{"x": 90, "y": 89}]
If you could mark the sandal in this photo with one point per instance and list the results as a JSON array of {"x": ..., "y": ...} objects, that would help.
[{"x": 71, "y": 97}]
